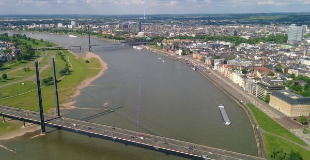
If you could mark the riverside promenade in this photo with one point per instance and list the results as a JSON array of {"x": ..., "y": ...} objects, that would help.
[{"x": 228, "y": 89}]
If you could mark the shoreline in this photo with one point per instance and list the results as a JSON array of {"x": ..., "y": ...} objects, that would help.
[
  {"x": 252, "y": 120},
  {"x": 68, "y": 105},
  {"x": 30, "y": 128},
  {"x": 85, "y": 82}
]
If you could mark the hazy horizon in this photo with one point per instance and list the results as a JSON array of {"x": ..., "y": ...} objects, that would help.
[{"x": 152, "y": 7}]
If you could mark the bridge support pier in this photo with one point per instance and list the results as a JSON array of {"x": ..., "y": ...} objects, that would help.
[
  {"x": 56, "y": 90},
  {"x": 40, "y": 100},
  {"x": 23, "y": 124},
  {"x": 89, "y": 45},
  {"x": 3, "y": 119}
]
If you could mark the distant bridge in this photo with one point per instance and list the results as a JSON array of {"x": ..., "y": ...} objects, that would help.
[
  {"x": 132, "y": 43},
  {"x": 49, "y": 48},
  {"x": 148, "y": 141}
]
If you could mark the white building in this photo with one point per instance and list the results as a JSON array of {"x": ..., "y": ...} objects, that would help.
[
  {"x": 60, "y": 25},
  {"x": 73, "y": 24},
  {"x": 305, "y": 62}
]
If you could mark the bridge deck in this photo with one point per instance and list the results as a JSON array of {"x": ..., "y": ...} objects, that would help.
[{"x": 161, "y": 144}]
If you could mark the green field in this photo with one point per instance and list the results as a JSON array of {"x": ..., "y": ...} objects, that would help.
[
  {"x": 272, "y": 142},
  {"x": 26, "y": 96},
  {"x": 39, "y": 43}
]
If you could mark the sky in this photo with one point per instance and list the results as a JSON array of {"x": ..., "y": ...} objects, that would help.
[{"x": 124, "y": 7}]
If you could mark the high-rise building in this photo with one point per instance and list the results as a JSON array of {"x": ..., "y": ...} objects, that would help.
[
  {"x": 305, "y": 29},
  {"x": 295, "y": 33},
  {"x": 139, "y": 26}
]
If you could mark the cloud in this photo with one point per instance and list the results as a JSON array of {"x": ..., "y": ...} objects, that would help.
[{"x": 271, "y": 2}]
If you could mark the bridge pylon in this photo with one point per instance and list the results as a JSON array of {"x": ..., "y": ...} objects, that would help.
[
  {"x": 89, "y": 44},
  {"x": 56, "y": 89},
  {"x": 40, "y": 99}
]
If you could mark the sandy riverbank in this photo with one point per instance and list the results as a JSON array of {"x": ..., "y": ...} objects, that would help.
[
  {"x": 88, "y": 81},
  {"x": 30, "y": 128}
]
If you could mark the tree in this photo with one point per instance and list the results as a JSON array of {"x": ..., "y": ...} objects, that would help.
[
  {"x": 64, "y": 71},
  {"x": 26, "y": 69},
  {"x": 48, "y": 81},
  {"x": 183, "y": 52},
  {"x": 244, "y": 71},
  {"x": 270, "y": 73},
  {"x": 293, "y": 76},
  {"x": 4, "y": 76},
  {"x": 1, "y": 64},
  {"x": 267, "y": 98},
  {"x": 216, "y": 57},
  {"x": 280, "y": 155},
  {"x": 297, "y": 88},
  {"x": 295, "y": 155},
  {"x": 202, "y": 59},
  {"x": 303, "y": 120}
]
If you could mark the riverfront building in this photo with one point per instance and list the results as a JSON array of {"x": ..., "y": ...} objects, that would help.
[{"x": 290, "y": 104}]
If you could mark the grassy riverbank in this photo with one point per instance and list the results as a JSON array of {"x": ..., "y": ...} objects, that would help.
[
  {"x": 8, "y": 127},
  {"x": 24, "y": 96},
  {"x": 20, "y": 90},
  {"x": 276, "y": 137}
]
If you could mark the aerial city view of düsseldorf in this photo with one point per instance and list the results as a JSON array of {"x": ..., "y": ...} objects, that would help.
[{"x": 154, "y": 80}]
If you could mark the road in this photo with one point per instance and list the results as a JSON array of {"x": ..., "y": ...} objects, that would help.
[{"x": 153, "y": 142}]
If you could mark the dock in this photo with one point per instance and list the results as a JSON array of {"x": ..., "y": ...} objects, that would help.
[{"x": 224, "y": 115}]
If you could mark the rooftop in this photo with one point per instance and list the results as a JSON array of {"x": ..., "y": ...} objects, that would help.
[{"x": 291, "y": 97}]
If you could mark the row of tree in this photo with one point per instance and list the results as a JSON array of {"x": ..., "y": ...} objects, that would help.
[
  {"x": 281, "y": 155},
  {"x": 297, "y": 87}
]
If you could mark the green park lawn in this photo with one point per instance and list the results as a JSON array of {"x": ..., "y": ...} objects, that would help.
[
  {"x": 268, "y": 124},
  {"x": 273, "y": 143},
  {"x": 25, "y": 96}
]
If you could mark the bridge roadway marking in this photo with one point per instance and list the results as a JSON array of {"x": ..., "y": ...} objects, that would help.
[{"x": 126, "y": 135}]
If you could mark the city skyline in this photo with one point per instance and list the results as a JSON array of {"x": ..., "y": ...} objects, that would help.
[{"x": 121, "y": 7}]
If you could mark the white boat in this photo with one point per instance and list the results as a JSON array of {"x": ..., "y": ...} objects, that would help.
[
  {"x": 137, "y": 47},
  {"x": 194, "y": 68},
  {"x": 72, "y": 36}
]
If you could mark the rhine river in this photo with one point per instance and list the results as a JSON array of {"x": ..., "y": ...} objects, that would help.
[{"x": 149, "y": 93}]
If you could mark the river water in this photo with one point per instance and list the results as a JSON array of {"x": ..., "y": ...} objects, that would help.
[{"x": 149, "y": 93}]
